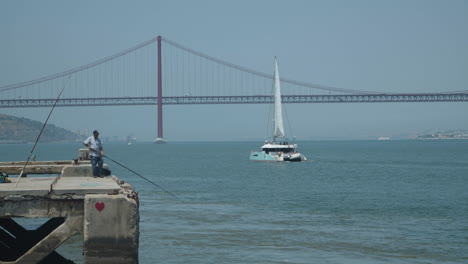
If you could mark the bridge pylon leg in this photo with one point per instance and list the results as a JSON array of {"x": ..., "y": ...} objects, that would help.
[{"x": 160, "y": 139}]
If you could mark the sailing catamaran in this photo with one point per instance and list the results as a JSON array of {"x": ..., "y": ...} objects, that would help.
[{"x": 279, "y": 149}]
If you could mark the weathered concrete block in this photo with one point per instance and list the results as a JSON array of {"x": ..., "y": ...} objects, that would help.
[
  {"x": 82, "y": 170},
  {"x": 77, "y": 171},
  {"x": 32, "y": 207},
  {"x": 111, "y": 229},
  {"x": 85, "y": 185}
]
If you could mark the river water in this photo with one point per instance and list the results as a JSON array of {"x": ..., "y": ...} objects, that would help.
[{"x": 351, "y": 202}]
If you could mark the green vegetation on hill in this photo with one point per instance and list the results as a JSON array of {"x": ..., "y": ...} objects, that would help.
[{"x": 23, "y": 130}]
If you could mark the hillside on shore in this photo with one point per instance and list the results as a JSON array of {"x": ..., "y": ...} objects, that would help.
[{"x": 24, "y": 130}]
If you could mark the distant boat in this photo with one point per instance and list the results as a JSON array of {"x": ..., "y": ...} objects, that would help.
[
  {"x": 130, "y": 139},
  {"x": 160, "y": 141},
  {"x": 384, "y": 138},
  {"x": 278, "y": 149}
]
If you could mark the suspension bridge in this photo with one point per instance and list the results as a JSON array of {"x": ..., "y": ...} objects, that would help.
[{"x": 150, "y": 74}]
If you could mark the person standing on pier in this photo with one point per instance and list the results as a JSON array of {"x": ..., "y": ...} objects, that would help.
[{"x": 94, "y": 144}]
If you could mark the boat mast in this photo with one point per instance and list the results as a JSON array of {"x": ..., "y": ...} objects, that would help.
[{"x": 279, "y": 128}]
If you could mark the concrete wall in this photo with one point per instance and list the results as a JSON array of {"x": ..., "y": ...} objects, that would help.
[
  {"x": 32, "y": 208},
  {"x": 111, "y": 229}
]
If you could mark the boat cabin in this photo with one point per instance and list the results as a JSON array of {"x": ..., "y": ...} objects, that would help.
[{"x": 288, "y": 148}]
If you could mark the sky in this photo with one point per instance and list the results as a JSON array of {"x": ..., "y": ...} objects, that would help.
[{"x": 410, "y": 46}]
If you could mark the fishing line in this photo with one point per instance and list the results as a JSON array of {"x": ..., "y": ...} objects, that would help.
[
  {"x": 42, "y": 130},
  {"x": 143, "y": 177},
  {"x": 139, "y": 175}
]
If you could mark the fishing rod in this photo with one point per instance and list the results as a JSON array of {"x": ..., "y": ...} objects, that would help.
[
  {"x": 40, "y": 133},
  {"x": 139, "y": 175}
]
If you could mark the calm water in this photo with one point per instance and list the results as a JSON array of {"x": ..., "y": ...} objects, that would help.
[{"x": 353, "y": 202}]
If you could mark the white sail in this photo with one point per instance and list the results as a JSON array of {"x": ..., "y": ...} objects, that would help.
[{"x": 279, "y": 129}]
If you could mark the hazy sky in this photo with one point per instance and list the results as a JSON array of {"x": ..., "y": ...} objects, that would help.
[{"x": 387, "y": 46}]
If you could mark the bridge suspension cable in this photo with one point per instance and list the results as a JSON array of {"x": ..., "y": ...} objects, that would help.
[
  {"x": 264, "y": 75},
  {"x": 78, "y": 69},
  {"x": 180, "y": 82}
]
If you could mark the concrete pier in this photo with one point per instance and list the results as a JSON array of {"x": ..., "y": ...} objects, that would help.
[{"x": 104, "y": 210}]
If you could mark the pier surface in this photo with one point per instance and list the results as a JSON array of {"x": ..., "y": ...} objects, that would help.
[{"x": 104, "y": 210}]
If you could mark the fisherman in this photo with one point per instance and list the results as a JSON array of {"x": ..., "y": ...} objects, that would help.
[{"x": 94, "y": 144}]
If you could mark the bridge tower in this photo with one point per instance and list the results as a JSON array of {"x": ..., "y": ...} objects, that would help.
[{"x": 160, "y": 139}]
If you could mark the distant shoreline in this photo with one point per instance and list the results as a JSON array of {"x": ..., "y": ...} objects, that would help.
[
  {"x": 460, "y": 138},
  {"x": 10, "y": 142}
]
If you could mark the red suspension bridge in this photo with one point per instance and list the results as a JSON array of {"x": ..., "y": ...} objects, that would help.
[{"x": 135, "y": 77}]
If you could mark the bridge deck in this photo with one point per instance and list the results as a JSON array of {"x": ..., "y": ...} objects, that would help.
[{"x": 251, "y": 99}]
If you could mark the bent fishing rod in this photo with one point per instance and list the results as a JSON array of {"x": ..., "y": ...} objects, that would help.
[
  {"x": 138, "y": 174},
  {"x": 40, "y": 133}
]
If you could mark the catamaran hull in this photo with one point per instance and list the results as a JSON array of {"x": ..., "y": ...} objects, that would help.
[
  {"x": 261, "y": 156},
  {"x": 294, "y": 158}
]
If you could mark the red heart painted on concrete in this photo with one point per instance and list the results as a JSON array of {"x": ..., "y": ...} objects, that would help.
[{"x": 99, "y": 206}]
